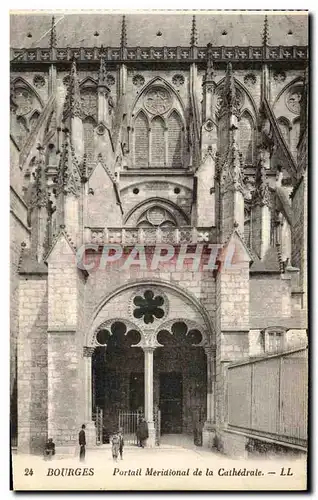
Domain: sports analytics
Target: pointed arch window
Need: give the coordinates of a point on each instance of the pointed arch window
(174, 140)
(158, 130)
(89, 125)
(89, 102)
(158, 146)
(246, 138)
(141, 144)
(284, 126)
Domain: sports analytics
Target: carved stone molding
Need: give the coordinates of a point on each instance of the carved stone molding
(88, 351)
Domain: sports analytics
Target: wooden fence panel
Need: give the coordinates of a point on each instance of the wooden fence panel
(294, 394)
(269, 396)
(266, 396)
(239, 396)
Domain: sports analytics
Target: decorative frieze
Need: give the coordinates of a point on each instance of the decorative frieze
(149, 236)
(223, 54)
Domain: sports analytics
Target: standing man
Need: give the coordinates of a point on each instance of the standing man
(82, 443)
(142, 432)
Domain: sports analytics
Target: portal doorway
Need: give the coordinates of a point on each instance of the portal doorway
(117, 376)
(171, 402)
(180, 379)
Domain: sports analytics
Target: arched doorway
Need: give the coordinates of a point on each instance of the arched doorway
(117, 375)
(150, 359)
(180, 378)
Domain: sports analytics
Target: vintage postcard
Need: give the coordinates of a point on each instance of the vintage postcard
(159, 250)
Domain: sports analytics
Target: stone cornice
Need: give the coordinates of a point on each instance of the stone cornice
(172, 54)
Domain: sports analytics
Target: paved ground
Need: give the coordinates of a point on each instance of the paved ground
(166, 468)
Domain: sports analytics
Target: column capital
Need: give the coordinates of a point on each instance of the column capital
(148, 348)
(210, 350)
(148, 340)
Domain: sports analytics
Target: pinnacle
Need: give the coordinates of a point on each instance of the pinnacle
(53, 39)
(73, 103)
(261, 193)
(265, 35)
(194, 33)
(209, 73)
(229, 88)
(102, 72)
(123, 37)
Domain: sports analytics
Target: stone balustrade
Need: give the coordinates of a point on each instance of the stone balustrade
(168, 54)
(149, 236)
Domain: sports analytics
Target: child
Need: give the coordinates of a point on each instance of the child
(115, 446)
(121, 443)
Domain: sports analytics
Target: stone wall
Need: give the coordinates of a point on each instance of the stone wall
(63, 387)
(32, 365)
(102, 282)
(270, 296)
(19, 233)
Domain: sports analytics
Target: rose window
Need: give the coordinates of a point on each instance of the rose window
(158, 100)
(148, 307)
(178, 80)
(23, 100)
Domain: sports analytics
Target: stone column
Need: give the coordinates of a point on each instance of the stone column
(209, 425)
(148, 352)
(90, 425)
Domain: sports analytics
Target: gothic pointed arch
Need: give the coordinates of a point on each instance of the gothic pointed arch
(156, 209)
(158, 143)
(21, 83)
(161, 82)
(296, 81)
(194, 312)
(29, 105)
(141, 140)
(88, 82)
(175, 139)
(246, 136)
(89, 125)
(244, 96)
(51, 154)
(165, 114)
(89, 100)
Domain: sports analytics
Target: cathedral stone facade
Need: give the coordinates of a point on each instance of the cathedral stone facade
(134, 152)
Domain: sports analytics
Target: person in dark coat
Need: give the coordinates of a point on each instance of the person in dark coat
(121, 443)
(115, 446)
(142, 432)
(82, 443)
(49, 450)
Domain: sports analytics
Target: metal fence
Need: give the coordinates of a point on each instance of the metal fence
(128, 421)
(269, 396)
